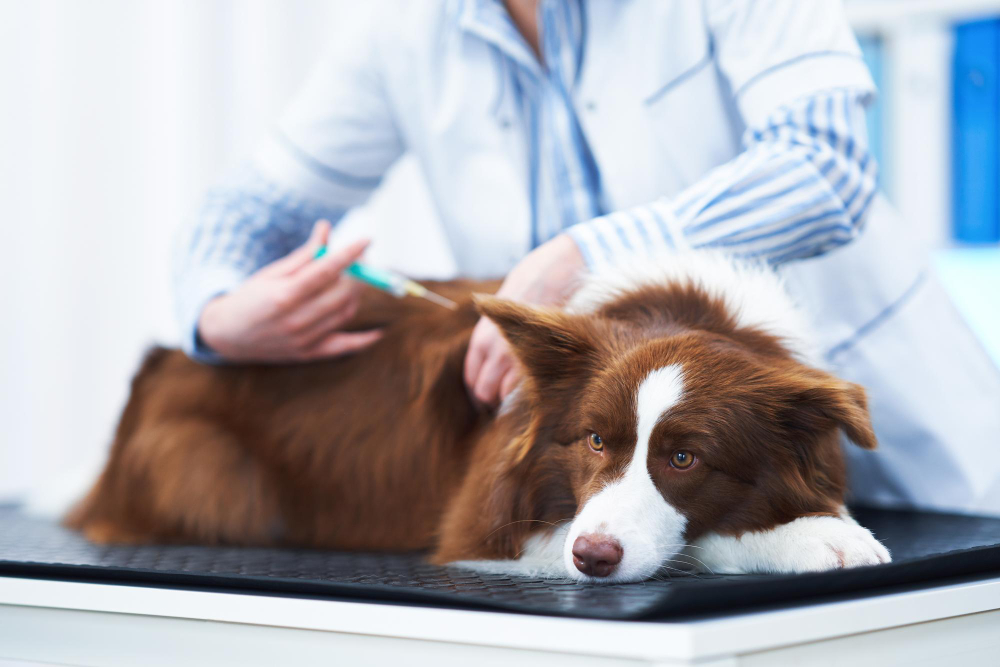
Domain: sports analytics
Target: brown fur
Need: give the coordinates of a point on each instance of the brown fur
(384, 450)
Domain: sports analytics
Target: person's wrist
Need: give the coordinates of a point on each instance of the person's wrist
(208, 323)
(547, 275)
(566, 268)
(570, 251)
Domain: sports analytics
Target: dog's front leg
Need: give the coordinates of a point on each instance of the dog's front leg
(542, 556)
(807, 544)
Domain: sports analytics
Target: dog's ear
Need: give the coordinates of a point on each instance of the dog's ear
(820, 399)
(550, 343)
(559, 352)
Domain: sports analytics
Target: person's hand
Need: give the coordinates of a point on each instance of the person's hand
(290, 310)
(546, 276)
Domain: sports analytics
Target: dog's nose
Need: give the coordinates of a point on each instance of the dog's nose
(596, 555)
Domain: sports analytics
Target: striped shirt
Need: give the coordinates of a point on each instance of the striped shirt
(801, 186)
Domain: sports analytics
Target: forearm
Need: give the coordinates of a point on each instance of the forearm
(801, 187)
(243, 225)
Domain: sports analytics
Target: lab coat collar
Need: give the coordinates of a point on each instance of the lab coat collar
(489, 20)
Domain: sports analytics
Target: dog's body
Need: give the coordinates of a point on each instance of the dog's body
(668, 412)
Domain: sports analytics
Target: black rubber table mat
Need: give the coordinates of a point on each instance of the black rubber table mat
(925, 547)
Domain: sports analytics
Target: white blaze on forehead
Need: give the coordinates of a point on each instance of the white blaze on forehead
(660, 391)
(631, 509)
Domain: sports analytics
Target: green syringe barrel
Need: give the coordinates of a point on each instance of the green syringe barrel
(378, 278)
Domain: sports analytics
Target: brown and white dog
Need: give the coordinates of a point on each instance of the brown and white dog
(666, 412)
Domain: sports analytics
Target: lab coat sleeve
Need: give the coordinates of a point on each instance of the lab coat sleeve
(805, 179)
(326, 155)
(339, 135)
(773, 52)
(803, 186)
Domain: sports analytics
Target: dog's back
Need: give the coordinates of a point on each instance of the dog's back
(357, 452)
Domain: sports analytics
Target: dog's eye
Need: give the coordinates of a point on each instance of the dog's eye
(682, 460)
(596, 443)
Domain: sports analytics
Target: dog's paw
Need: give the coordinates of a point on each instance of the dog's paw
(816, 544)
(515, 568)
(807, 544)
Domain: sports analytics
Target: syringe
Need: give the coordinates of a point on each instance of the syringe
(391, 282)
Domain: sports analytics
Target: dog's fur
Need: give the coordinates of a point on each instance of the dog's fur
(383, 450)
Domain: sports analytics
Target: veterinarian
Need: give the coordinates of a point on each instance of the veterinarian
(561, 137)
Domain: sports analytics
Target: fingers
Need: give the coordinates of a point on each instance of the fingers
(510, 381)
(488, 363)
(332, 316)
(342, 342)
(325, 309)
(476, 354)
(304, 254)
(487, 389)
(321, 273)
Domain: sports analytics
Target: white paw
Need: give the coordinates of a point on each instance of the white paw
(515, 568)
(827, 543)
(807, 544)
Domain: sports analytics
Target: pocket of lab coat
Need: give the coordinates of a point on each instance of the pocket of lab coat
(934, 397)
(848, 289)
(883, 321)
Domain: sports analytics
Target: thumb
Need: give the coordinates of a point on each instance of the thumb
(304, 254)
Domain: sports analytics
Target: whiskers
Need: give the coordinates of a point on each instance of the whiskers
(511, 523)
(686, 559)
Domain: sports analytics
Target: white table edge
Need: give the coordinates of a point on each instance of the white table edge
(671, 640)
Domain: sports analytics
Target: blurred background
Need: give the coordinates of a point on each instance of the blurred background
(118, 114)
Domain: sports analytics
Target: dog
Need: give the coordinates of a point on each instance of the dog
(669, 413)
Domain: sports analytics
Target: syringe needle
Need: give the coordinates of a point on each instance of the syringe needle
(440, 300)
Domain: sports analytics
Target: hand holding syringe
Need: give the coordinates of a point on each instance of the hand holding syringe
(292, 309)
(295, 308)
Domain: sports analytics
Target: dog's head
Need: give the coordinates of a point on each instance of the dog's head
(675, 431)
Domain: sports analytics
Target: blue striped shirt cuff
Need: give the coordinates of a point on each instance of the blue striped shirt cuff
(206, 284)
(652, 230)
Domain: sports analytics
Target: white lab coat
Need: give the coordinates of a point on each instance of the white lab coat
(883, 318)
(665, 91)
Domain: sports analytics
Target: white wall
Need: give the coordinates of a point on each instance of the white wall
(115, 115)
